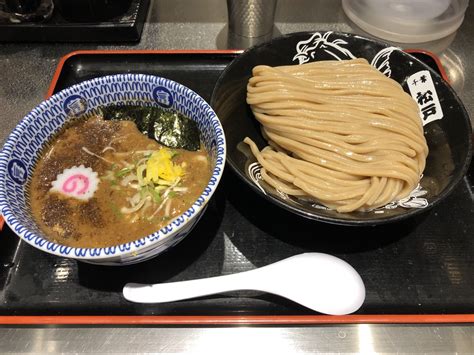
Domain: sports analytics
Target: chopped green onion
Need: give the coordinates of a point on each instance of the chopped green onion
(115, 210)
(140, 174)
(156, 196)
(164, 182)
(174, 153)
(154, 192)
(122, 172)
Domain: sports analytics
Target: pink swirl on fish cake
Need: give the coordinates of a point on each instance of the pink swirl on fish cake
(78, 182)
(72, 183)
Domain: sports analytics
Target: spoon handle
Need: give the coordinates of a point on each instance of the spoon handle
(181, 290)
(320, 282)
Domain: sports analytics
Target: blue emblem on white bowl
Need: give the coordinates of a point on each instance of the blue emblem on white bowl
(17, 171)
(163, 97)
(75, 105)
(42, 123)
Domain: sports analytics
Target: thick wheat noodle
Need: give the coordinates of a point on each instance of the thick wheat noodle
(312, 108)
(311, 103)
(306, 87)
(282, 186)
(343, 115)
(326, 89)
(327, 187)
(346, 154)
(339, 163)
(339, 132)
(330, 176)
(326, 144)
(359, 150)
(343, 127)
(273, 74)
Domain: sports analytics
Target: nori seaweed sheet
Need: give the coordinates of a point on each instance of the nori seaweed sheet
(169, 128)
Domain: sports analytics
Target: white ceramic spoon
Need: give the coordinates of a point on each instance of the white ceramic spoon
(321, 282)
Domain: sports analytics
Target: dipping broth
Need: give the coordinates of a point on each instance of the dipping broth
(101, 183)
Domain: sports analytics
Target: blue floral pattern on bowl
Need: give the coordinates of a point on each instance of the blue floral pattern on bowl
(24, 145)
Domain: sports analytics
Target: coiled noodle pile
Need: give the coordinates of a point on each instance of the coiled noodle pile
(339, 132)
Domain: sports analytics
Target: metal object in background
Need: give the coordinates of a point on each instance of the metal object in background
(72, 20)
(251, 18)
(16, 11)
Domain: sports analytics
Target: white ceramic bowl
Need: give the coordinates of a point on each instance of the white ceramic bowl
(25, 143)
